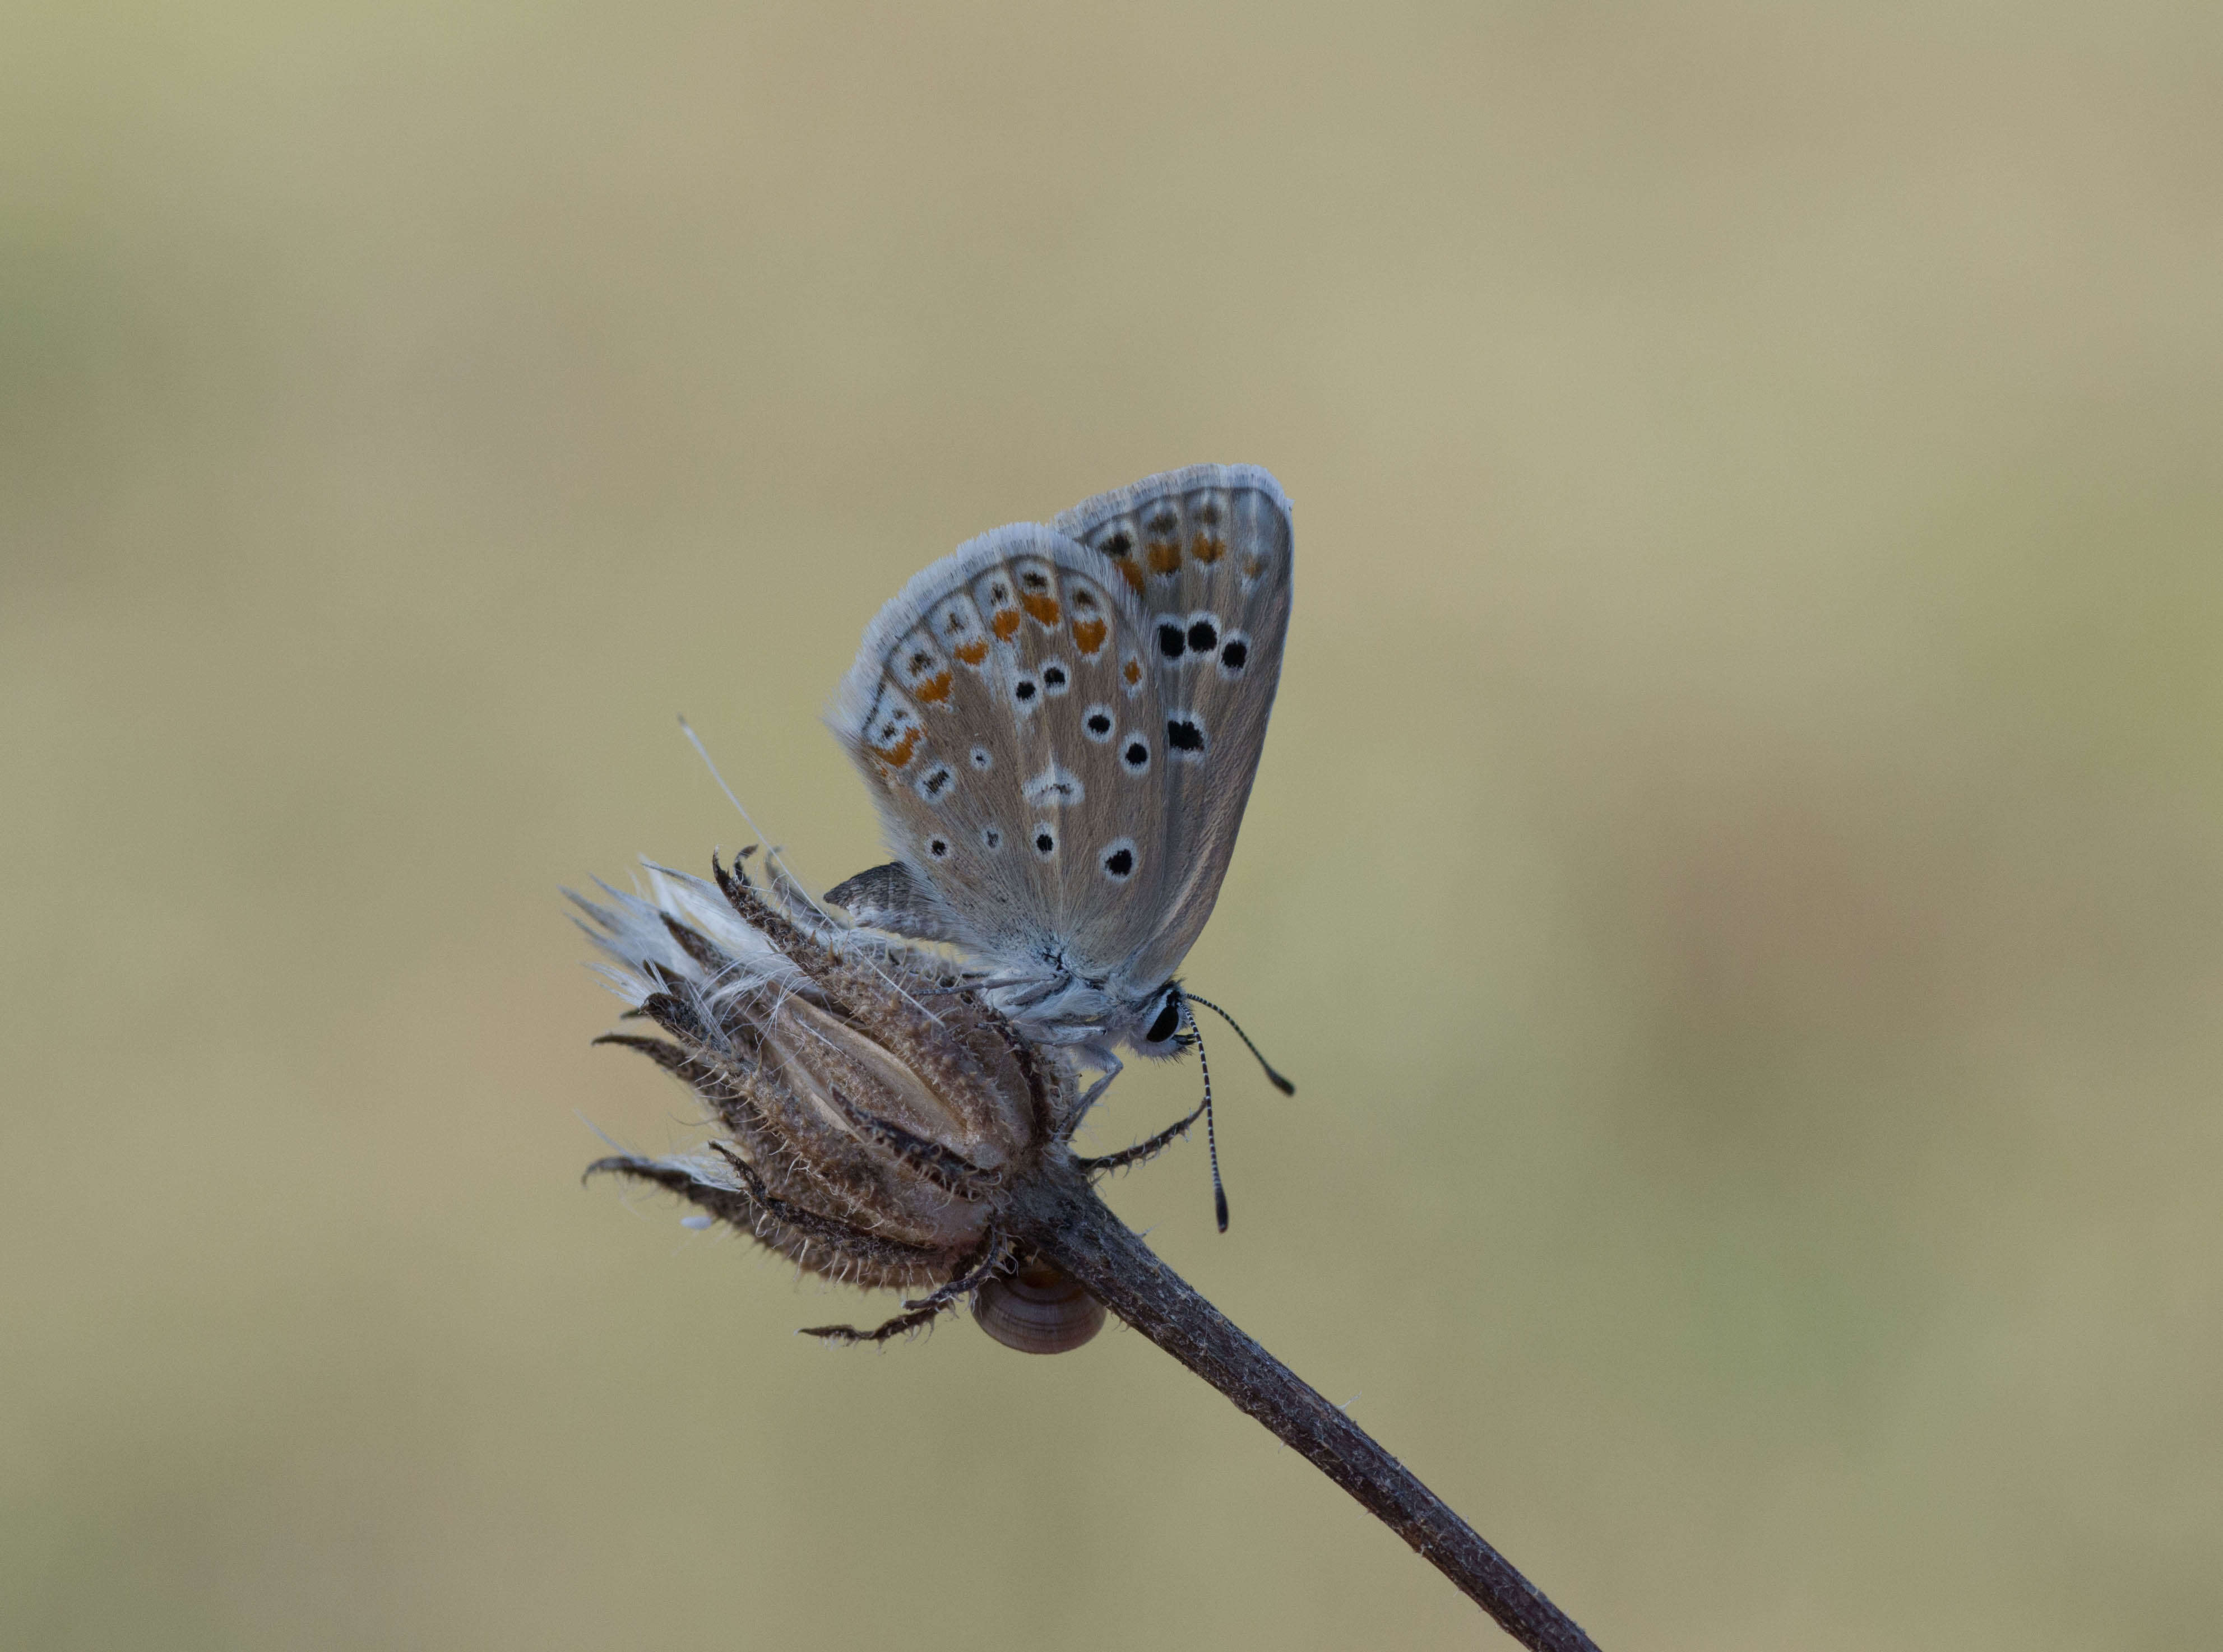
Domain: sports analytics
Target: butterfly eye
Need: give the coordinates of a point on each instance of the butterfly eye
(1168, 1018)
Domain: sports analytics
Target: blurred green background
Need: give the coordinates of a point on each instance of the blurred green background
(1737, 873)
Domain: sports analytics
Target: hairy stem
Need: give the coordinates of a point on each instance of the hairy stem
(1068, 1225)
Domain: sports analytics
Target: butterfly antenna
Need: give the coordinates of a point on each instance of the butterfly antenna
(1211, 1137)
(1272, 1077)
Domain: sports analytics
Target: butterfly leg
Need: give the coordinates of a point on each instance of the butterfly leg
(1143, 1150)
(1113, 1068)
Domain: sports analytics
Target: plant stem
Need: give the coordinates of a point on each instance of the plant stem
(1068, 1225)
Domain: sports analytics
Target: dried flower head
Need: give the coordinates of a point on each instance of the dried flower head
(876, 1114)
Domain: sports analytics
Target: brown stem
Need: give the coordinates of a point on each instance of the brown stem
(1069, 1224)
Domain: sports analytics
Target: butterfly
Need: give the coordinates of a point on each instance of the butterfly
(1059, 726)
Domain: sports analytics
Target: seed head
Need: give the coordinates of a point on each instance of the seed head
(874, 1114)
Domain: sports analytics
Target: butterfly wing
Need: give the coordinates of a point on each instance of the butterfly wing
(986, 710)
(1207, 553)
(1060, 725)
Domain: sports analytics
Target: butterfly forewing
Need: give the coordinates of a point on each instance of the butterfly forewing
(1061, 724)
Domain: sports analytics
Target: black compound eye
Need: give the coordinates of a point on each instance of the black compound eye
(1168, 1018)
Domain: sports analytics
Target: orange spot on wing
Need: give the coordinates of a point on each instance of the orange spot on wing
(933, 691)
(1089, 635)
(1005, 622)
(1205, 548)
(972, 652)
(1044, 609)
(1253, 566)
(1165, 558)
(1133, 673)
(899, 754)
(1131, 573)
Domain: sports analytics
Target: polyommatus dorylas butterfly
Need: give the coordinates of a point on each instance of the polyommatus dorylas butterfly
(1059, 726)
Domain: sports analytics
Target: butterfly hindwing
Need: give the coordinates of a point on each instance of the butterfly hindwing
(1207, 554)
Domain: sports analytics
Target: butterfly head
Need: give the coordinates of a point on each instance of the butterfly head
(1159, 1024)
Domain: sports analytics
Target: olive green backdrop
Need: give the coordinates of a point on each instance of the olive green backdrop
(1737, 873)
